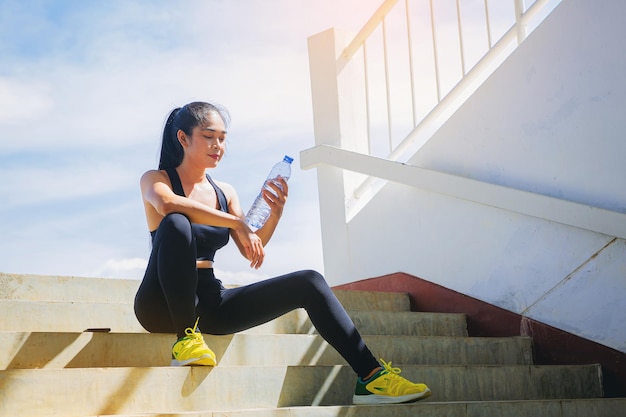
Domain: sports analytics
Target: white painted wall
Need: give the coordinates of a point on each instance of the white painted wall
(550, 120)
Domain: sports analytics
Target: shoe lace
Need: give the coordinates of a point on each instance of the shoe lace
(387, 368)
(395, 383)
(193, 334)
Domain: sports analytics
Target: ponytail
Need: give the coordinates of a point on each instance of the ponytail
(171, 149)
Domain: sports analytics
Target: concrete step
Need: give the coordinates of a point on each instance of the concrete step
(50, 367)
(106, 391)
(50, 316)
(592, 407)
(66, 288)
(23, 350)
(27, 287)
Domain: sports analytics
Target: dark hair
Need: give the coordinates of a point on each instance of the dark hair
(185, 118)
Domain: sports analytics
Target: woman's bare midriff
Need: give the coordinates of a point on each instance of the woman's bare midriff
(204, 264)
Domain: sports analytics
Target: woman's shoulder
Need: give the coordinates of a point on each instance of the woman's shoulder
(153, 177)
(226, 187)
(231, 197)
(154, 174)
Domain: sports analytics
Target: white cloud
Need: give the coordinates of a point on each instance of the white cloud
(112, 73)
(132, 268)
(117, 107)
(33, 185)
(22, 101)
(239, 278)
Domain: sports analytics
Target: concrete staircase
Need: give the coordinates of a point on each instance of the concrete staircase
(52, 365)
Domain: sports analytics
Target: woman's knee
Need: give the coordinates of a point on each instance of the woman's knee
(175, 224)
(313, 279)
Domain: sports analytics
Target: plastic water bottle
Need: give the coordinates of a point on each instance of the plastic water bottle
(260, 211)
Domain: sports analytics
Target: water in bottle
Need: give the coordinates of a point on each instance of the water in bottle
(260, 211)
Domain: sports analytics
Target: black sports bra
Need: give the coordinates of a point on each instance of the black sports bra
(208, 238)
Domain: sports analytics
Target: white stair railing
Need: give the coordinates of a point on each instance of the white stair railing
(408, 122)
(497, 44)
(347, 101)
(571, 213)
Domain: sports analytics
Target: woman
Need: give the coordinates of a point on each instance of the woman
(190, 216)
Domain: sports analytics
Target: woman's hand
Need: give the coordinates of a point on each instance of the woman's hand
(276, 200)
(276, 203)
(251, 244)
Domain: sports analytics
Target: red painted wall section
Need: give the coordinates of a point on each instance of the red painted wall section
(551, 346)
(482, 319)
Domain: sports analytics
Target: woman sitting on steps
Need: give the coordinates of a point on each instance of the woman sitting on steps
(190, 216)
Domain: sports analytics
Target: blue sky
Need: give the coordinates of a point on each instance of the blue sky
(85, 87)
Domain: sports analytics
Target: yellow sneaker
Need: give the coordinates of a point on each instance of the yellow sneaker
(191, 350)
(387, 387)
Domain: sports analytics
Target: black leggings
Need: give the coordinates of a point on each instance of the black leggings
(174, 293)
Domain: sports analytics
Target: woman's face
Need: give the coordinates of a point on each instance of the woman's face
(208, 142)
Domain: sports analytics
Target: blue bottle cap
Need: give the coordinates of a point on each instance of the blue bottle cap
(288, 159)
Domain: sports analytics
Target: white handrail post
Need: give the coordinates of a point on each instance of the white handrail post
(488, 24)
(460, 29)
(435, 52)
(387, 88)
(411, 66)
(339, 119)
(521, 27)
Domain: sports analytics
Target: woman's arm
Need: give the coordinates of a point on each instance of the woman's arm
(158, 195)
(276, 204)
(156, 191)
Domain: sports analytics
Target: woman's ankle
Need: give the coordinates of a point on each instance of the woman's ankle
(371, 374)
